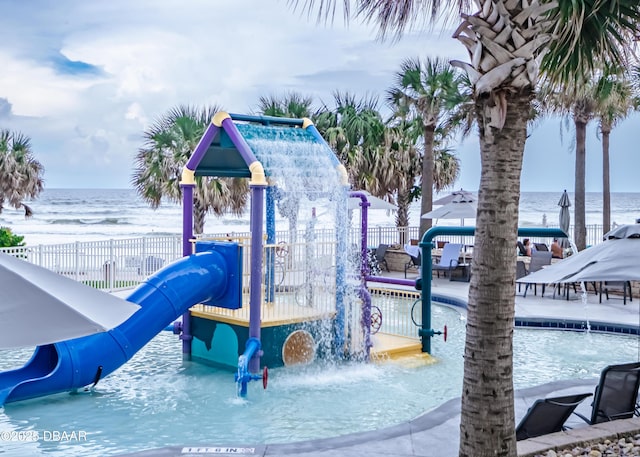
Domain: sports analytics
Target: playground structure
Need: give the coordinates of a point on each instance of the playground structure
(303, 297)
(306, 298)
(211, 286)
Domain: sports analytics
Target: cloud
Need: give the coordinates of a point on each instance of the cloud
(5, 108)
(84, 79)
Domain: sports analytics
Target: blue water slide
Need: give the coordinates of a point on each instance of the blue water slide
(210, 277)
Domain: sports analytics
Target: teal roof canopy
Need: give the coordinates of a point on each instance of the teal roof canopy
(223, 159)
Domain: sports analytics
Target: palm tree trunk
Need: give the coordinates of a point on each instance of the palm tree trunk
(427, 178)
(487, 426)
(606, 183)
(199, 213)
(402, 215)
(580, 233)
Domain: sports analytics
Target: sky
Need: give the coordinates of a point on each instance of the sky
(83, 79)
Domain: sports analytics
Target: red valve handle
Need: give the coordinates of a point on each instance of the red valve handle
(265, 377)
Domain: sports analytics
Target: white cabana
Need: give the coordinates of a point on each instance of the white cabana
(611, 260)
(38, 306)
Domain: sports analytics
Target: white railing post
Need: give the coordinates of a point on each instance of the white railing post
(77, 266)
(111, 268)
(143, 266)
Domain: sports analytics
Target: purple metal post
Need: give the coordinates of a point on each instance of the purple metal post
(364, 266)
(365, 320)
(238, 140)
(187, 235)
(255, 281)
(187, 218)
(364, 272)
(187, 186)
(202, 146)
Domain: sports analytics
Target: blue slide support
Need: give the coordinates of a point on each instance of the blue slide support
(212, 277)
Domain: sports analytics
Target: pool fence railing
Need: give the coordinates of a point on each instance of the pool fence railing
(118, 264)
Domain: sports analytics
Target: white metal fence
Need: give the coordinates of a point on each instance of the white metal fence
(109, 264)
(123, 263)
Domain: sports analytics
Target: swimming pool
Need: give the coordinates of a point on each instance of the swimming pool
(158, 400)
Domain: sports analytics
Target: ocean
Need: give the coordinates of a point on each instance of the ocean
(69, 215)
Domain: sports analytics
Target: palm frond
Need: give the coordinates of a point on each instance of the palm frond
(587, 33)
(395, 17)
(21, 175)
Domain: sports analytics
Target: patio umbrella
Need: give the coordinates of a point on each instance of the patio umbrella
(375, 202)
(564, 217)
(467, 195)
(38, 306)
(611, 260)
(461, 207)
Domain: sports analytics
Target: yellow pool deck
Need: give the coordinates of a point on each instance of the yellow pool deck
(385, 346)
(271, 316)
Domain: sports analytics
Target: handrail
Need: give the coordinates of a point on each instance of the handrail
(426, 332)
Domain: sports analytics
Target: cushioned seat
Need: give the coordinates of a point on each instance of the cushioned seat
(415, 262)
(548, 415)
(381, 251)
(449, 259)
(539, 259)
(615, 398)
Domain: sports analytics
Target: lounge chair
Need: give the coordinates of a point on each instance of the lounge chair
(548, 415)
(539, 259)
(415, 262)
(541, 247)
(381, 251)
(521, 271)
(521, 249)
(564, 288)
(449, 259)
(616, 394)
(624, 286)
(615, 398)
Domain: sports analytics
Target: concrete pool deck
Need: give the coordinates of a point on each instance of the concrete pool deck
(436, 432)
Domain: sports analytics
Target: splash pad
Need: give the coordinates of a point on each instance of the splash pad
(242, 301)
(302, 296)
(267, 299)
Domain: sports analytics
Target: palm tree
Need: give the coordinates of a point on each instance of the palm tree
(20, 174)
(582, 112)
(398, 165)
(427, 90)
(169, 143)
(506, 41)
(402, 160)
(355, 131)
(576, 103)
(292, 105)
(615, 100)
(381, 158)
(446, 168)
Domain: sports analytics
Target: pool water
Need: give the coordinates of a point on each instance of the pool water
(158, 400)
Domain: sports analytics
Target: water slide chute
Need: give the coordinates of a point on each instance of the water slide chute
(212, 276)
